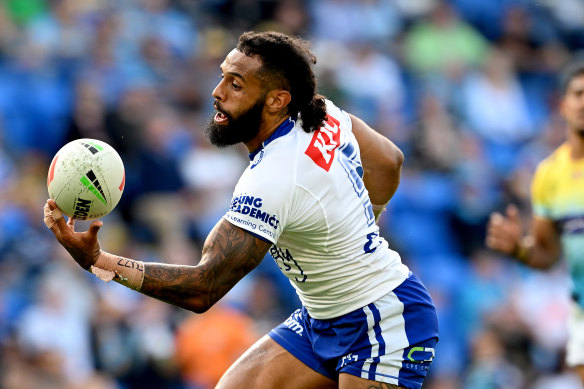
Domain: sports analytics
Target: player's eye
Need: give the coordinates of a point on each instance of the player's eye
(235, 86)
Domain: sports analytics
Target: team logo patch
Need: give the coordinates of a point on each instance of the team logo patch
(258, 159)
(324, 143)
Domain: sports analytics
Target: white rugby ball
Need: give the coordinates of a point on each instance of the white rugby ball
(86, 179)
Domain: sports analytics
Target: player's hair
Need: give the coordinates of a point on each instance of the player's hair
(287, 63)
(574, 70)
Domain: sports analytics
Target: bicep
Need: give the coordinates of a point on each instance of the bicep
(231, 252)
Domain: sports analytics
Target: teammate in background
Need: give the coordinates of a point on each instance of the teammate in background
(558, 213)
(318, 177)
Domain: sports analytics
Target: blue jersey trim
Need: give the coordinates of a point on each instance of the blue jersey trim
(283, 129)
(257, 236)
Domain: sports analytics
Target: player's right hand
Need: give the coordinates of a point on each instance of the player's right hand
(83, 246)
(504, 233)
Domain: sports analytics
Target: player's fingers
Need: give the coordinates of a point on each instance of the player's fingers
(492, 242)
(489, 241)
(496, 219)
(499, 242)
(513, 213)
(71, 224)
(94, 227)
(53, 217)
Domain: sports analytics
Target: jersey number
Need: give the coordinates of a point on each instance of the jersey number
(286, 262)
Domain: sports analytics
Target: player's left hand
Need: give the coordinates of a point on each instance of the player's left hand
(83, 246)
(504, 232)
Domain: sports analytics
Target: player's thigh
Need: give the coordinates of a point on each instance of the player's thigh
(267, 365)
(348, 381)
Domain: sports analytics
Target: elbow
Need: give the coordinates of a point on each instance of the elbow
(198, 305)
(394, 158)
(398, 159)
(199, 308)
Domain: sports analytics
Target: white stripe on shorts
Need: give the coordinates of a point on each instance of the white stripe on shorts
(394, 337)
(372, 340)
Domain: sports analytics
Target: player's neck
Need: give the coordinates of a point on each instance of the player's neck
(576, 142)
(267, 128)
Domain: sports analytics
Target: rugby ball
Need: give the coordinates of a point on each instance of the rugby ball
(86, 179)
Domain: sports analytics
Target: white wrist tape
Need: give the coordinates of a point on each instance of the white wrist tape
(51, 217)
(128, 271)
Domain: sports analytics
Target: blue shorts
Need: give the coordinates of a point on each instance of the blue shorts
(391, 340)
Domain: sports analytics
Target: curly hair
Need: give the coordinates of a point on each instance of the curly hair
(287, 63)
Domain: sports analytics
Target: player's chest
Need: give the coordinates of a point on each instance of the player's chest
(566, 191)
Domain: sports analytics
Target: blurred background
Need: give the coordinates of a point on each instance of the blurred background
(467, 88)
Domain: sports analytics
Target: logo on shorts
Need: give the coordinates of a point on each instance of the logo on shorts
(349, 358)
(421, 354)
(293, 323)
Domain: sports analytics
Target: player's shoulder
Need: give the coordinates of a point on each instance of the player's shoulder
(338, 114)
(290, 145)
(556, 160)
(274, 163)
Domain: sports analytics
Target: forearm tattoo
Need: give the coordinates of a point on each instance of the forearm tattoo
(383, 385)
(228, 255)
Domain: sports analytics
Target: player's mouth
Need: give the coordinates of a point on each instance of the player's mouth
(220, 118)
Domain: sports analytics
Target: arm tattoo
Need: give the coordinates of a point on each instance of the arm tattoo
(228, 255)
(383, 385)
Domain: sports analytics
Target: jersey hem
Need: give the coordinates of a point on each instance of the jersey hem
(327, 314)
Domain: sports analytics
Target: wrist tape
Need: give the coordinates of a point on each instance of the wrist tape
(523, 249)
(128, 271)
(51, 217)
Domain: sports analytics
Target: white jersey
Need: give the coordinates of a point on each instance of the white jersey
(304, 193)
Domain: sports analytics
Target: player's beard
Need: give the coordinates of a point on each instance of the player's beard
(242, 129)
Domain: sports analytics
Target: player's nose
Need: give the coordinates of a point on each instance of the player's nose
(218, 92)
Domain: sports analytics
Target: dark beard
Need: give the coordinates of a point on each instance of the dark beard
(242, 129)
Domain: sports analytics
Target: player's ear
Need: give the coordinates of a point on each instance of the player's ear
(277, 99)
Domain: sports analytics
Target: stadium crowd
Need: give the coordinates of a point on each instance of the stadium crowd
(466, 88)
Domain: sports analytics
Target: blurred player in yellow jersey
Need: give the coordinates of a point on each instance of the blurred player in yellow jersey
(558, 213)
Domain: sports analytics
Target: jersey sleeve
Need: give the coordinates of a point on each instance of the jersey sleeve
(539, 195)
(261, 201)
